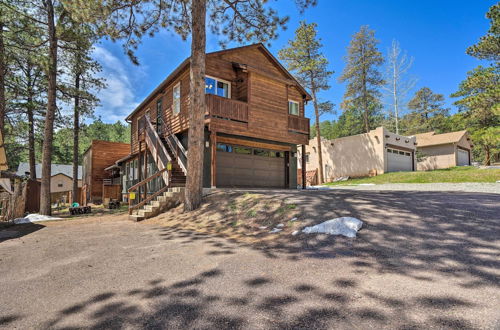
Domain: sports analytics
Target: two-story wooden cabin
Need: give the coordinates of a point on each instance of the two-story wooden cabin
(254, 122)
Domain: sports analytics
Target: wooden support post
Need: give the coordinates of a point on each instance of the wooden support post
(145, 172)
(213, 165)
(303, 159)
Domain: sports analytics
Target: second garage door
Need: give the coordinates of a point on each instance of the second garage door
(399, 160)
(239, 166)
(463, 157)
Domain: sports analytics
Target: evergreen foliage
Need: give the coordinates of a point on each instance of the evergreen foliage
(363, 76)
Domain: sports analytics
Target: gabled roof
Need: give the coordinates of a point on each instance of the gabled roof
(431, 138)
(185, 64)
(67, 170)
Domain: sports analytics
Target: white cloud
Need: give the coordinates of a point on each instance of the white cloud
(118, 99)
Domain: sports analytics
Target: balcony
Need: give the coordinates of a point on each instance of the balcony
(298, 124)
(224, 108)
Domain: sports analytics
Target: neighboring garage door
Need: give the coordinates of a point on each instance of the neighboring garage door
(463, 157)
(399, 160)
(239, 166)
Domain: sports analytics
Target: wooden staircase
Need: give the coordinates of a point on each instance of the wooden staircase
(167, 200)
(171, 160)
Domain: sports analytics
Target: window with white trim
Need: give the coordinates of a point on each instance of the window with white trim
(217, 87)
(293, 107)
(176, 108)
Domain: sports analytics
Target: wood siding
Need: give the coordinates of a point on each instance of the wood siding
(103, 154)
(261, 83)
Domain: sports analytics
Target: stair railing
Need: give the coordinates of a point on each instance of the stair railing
(174, 144)
(139, 185)
(158, 150)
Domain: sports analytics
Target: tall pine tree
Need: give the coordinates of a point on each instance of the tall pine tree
(427, 112)
(363, 76)
(304, 58)
(479, 93)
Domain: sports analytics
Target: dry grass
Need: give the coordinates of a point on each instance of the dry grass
(237, 215)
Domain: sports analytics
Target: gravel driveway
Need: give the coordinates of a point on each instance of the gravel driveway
(493, 188)
(423, 260)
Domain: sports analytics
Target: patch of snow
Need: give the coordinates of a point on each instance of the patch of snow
(263, 227)
(342, 178)
(319, 187)
(275, 230)
(346, 226)
(280, 225)
(34, 218)
(294, 219)
(295, 233)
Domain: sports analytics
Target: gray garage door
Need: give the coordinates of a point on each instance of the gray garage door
(239, 166)
(399, 160)
(463, 157)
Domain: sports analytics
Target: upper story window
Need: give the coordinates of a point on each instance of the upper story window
(293, 107)
(218, 87)
(177, 99)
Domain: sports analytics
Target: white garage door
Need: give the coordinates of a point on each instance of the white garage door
(399, 160)
(463, 157)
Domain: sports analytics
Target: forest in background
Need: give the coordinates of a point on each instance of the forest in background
(17, 151)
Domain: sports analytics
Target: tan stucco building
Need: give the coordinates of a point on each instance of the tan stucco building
(444, 150)
(61, 182)
(373, 153)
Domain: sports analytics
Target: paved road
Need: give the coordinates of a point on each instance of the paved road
(423, 260)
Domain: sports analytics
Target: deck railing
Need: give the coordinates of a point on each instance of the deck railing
(298, 124)
(224, 108)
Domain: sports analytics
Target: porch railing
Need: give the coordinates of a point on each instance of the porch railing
(221, 107)
(298, 124)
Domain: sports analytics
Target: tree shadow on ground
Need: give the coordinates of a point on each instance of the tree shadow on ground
(253, 303)
(409, 233)
(18, 231)
(419, 236)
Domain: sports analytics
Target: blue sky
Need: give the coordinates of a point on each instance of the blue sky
(436, 33)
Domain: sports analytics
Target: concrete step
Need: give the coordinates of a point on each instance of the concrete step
(156, 203)
(135, 217)
(145, 213)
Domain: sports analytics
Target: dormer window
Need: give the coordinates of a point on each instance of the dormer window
(293, 107)
(217, 87)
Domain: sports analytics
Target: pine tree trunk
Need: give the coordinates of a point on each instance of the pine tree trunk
(487, 156)
(51, 109)
(31, 137)
(2, 76)
(365, 104)
(194, 180)
(364, 74)
(318, 139)
(76, 132)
